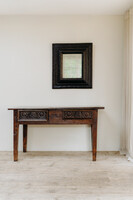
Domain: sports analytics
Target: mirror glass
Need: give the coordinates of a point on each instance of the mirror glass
(72, 66)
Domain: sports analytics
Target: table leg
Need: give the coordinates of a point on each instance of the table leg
(25, 138)
(15, 135)
(94, 137)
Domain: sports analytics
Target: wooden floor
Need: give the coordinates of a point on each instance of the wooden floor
(65, 176)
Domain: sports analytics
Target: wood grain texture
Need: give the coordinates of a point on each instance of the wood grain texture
(55, 108)
(58, 116)
(15, 135)
(65, 176)
(94, 135)
(25, 138)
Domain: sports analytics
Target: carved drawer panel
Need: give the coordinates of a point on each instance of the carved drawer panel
(68, 114)
(30, 115)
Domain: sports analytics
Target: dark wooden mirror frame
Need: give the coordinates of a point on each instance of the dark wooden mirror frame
(72, 48)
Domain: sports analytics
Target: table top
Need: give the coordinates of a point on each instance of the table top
(55, 108)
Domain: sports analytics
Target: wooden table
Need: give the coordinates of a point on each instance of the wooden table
(76, 115)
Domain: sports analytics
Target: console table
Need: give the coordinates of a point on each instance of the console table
(76, 115)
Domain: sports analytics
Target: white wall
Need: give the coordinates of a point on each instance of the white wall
(26, 78)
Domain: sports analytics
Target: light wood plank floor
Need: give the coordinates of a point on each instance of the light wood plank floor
(65, 176)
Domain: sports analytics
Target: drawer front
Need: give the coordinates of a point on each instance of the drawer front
(69, 114)
(31, 115)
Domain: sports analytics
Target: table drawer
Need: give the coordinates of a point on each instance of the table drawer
(31, 115)
(75, 114)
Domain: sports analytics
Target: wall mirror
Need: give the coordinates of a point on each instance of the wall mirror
(72, 65)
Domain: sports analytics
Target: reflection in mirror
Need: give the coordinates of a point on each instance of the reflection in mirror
(72, 66)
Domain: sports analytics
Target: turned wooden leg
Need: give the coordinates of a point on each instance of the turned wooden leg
(25, 138)
(15, 135)
(94, 137)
